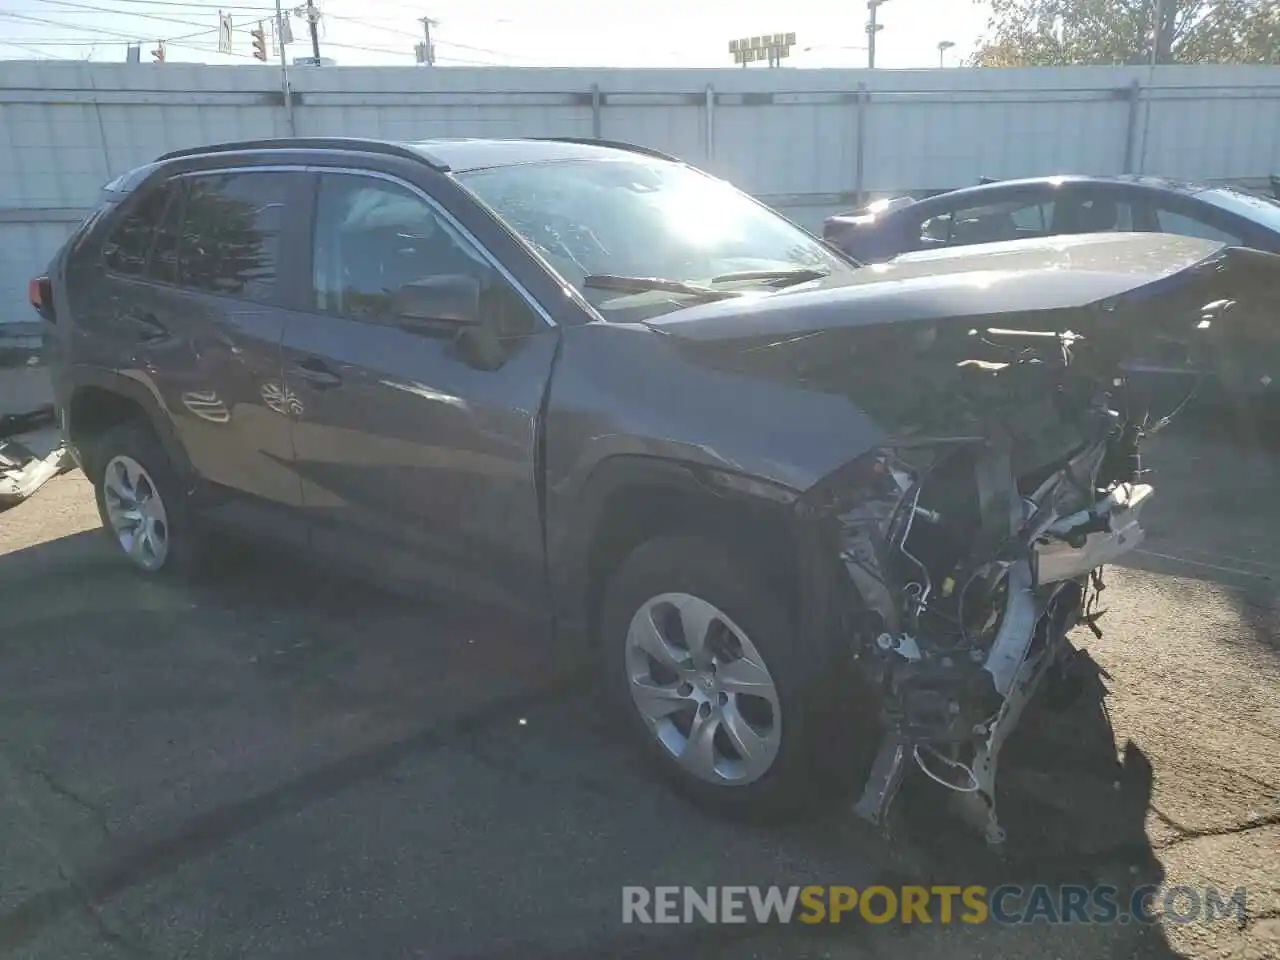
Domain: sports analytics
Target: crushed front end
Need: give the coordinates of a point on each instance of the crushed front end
(972, 552)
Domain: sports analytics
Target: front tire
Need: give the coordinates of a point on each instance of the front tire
(703, 663)
(142, 502)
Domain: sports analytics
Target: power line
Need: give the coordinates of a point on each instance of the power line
(30, 49)
(181, 4)
(141, 16)
(107, 36)
(110, 35)
(349, 46)
(373, 26)
(414, 36)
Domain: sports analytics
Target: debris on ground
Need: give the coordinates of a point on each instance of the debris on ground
(31, 458)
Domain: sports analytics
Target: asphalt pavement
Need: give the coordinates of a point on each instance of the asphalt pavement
(281, 763)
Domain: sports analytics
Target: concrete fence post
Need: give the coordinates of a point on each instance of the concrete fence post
(860, 105)
(1131, 124)
(709, 125)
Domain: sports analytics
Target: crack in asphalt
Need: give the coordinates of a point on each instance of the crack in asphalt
(1250, 919)
(208, 832)
(131, 945)
(58, 787)
(1189, 833)
(1264, 784)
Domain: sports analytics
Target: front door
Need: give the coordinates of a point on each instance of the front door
(418, 454)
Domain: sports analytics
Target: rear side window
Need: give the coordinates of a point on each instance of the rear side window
(128, 244)
(231, 229)
(1170, 221)
(168, 236)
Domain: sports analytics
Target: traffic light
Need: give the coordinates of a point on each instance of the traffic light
(259, 43)
(157, 54)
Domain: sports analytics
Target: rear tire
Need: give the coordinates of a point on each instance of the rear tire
(143, 504)
(749, 682)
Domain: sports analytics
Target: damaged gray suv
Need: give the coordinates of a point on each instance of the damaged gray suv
(767, 486)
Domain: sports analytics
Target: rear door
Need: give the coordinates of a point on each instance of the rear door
(239, 228)
(209, 319)
(418, 460)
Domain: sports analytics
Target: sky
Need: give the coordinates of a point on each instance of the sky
(549, 33)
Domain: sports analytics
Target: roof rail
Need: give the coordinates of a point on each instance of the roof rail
(314, 143)
(613, 145)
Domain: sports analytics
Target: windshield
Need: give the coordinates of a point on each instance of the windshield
(1261, 210)
(642, 218)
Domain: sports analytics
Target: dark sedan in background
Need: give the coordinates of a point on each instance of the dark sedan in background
(996, 211)
(1049, 206)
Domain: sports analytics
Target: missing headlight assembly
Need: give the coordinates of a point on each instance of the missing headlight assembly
(973, 556)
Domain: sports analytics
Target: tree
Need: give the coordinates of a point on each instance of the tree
(1043, 33)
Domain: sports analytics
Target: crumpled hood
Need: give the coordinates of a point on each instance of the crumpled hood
(990, 280)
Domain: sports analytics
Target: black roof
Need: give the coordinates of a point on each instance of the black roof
(993, 188)
(470, 153)
(445, 153)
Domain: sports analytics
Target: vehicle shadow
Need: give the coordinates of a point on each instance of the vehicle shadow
(1074, 811)
(204, 711)
(1074, 807)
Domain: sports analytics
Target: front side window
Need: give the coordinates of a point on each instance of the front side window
(644, 218)
(125, 251)
(231, 233)
(1171, 221)
(373, 237)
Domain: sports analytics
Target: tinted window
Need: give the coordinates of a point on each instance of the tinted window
(1011, 220)
(168, 236)
(231, 233)
(1168, 221)
(1094, 213)
(372, 237)
(127, 245)
(1263, 211)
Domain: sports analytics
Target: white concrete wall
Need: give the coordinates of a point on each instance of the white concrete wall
(806, 141)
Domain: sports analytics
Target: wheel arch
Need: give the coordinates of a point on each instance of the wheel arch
(97, 400)
(629, 499)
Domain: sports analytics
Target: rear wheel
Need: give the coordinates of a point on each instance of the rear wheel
(704, 665)
(142, 503)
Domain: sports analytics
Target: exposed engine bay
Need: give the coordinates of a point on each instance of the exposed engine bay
(974, 551)
(991, 402)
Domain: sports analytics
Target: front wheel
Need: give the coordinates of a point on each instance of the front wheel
(703, 661)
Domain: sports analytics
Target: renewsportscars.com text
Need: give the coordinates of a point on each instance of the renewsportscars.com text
(1009, 904)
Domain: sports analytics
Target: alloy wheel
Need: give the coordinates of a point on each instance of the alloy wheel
(136, 512)
(703, 689)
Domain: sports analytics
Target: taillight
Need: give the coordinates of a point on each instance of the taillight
(40, 293)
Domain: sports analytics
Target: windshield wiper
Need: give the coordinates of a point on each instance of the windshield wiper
(781, 278)
(608, 281)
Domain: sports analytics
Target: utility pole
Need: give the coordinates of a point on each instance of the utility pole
(313, 20)
(281, 26)
(427, 52)
(872, 29)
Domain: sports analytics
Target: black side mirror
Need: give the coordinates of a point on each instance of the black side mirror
(452, 299)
